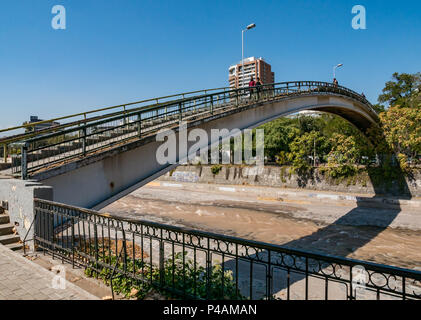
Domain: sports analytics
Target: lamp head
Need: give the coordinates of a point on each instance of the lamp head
(251, 26)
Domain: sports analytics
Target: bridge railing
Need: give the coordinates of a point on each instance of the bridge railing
(47, 149)
(15, 134)
(200, 265)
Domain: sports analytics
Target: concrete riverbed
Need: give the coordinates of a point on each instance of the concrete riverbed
(387, 234)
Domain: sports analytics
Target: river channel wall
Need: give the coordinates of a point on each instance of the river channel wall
(283, 177)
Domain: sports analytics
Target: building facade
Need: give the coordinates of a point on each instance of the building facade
(253, 67)
(40, 126)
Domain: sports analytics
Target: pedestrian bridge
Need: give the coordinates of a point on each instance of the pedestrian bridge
(112, 151)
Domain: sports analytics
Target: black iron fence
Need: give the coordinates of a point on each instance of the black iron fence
(82, 138)
(200, 265)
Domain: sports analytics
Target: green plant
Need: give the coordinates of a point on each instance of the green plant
(187, 278)
(215, 169)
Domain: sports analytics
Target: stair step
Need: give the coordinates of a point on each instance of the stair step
(4, 218)
(14, 246)
(6, 229)
(9, 239)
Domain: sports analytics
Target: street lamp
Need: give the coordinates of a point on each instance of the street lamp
(334, 69)
(250, 26)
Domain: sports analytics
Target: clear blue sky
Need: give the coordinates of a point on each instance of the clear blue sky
(117, 51)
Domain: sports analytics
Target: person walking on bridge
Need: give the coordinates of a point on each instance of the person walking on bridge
(335, 82)
(258, 88)
(252, 84)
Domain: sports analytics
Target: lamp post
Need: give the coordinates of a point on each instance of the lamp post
(250, 26)
(334, 69)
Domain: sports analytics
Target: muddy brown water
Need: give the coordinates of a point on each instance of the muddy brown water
(272, 223)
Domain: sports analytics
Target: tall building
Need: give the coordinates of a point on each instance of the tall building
(253, 67)
(42, 126)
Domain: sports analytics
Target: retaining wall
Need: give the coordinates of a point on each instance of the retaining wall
(275, 176)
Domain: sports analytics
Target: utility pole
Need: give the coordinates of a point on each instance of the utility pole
(314, 154)
(250, 26)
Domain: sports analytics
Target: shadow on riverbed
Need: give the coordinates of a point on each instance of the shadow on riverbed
(340, 243)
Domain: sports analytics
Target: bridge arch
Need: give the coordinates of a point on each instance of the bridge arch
(97, 179)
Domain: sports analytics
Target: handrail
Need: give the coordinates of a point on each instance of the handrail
(6, 140)
(103, 109)
(144, 109)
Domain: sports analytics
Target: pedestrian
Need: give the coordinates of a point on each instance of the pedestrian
(335, 82)
(252, 84)
(258, 87)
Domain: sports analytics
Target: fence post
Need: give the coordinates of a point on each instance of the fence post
(84, 141)
(180, 111)
(24, 161)
(269, 277)
(139, 124)
(161, 262)
(5, 152)
(73, 242)
(96, 247)
(211, 110)
(125, 119)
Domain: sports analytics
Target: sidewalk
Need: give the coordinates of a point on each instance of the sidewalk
(293, 195)
(21, 279)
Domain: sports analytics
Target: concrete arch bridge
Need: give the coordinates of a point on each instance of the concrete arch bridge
(94, 161)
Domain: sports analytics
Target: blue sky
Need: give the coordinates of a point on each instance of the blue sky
(114, 52)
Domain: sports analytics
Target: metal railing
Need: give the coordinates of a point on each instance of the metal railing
(45, 150)
(200, 265)
(86, 117)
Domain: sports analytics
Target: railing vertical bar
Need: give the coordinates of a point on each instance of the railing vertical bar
(134, 253)
(236, 271)
(73, 242)
(306, 284)
(251, 279)
(96, 246)
(288, 284)
(326, 288)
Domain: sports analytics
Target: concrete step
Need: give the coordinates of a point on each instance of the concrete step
(9, 239)
(14, 246)
(6, 229)
(4, 218)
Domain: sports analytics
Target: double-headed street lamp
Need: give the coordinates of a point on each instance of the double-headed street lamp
(250, 26)
(334, 70)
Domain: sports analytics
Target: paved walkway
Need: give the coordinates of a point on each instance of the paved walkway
(21, 279)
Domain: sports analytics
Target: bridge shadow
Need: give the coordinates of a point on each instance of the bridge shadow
(337, 239)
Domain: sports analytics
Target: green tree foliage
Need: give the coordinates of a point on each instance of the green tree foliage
(340, 146)
(304, 147)
(278, 136)
(404, 91)
(402, 130)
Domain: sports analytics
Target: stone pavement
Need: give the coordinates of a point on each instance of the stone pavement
(21, 279)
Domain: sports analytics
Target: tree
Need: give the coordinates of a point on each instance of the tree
(278, 136)
(304, 147)
(404, 90)
(402, 130)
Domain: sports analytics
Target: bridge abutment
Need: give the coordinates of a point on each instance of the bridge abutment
(19, 196)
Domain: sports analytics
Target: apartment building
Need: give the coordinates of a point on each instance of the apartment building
(253, 67)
